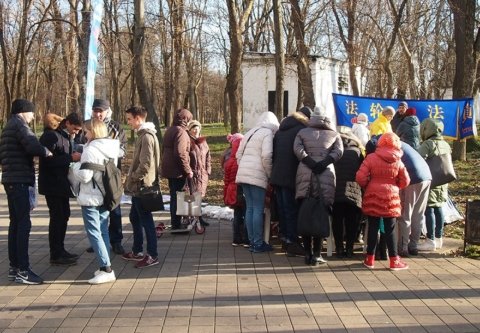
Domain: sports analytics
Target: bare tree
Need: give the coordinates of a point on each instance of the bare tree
(349, 40)
(303, 60)
(279, 57)
(464, 20)
(139, 63)
(237, 21)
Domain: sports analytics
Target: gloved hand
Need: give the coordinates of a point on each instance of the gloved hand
(322, 165)
(309, 162)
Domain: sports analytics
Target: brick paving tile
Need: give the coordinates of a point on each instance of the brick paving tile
(203, 284)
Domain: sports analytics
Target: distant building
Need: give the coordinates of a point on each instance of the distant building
(258, 69)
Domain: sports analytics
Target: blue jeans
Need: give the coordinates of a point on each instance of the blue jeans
(175, 184)
(434, 220)
(142, 220)
(287, 208)
(115, 226)
(255, 201)
(20, 225)
(95, 220)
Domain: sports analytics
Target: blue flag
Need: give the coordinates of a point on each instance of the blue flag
(456, 114)
(96, 20)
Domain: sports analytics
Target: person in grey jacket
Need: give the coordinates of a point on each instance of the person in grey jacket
(317, 147)
(18, 146)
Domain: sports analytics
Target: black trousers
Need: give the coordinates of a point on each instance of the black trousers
(346, 218)
(59, 210)
(390, 235)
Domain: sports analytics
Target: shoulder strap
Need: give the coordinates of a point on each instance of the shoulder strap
(92, 166)
(246, 143)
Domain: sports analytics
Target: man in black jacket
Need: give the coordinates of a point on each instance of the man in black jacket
(53, 181)
(284, 170)
(18, 146)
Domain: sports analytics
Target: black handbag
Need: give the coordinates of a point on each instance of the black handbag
(441, 168)
(313, 216)
(151, 198)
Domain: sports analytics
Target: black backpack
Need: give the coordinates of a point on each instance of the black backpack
(112, 182)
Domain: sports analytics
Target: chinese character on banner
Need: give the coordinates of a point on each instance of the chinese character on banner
(435, 111)
(352, 107)
(375, 110)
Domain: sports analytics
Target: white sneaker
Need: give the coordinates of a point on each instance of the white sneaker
(438, 243)
(102, 277)
(427, 245)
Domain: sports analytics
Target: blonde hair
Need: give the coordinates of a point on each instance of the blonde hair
(97, 128)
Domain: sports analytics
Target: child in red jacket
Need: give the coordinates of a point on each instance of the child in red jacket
(232, 192)
(382, 175)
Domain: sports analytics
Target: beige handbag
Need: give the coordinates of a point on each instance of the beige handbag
(189, 204)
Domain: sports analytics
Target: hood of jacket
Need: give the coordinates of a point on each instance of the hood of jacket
(389, 147)
(268, 120)
(321, 122)
(109, 147)
(181, 118)
(431, 128)
(235, 146)
(411, 120)
(350, 140)
(148, 126)
(293, 120)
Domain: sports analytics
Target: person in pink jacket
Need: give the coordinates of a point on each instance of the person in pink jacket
(382, 175)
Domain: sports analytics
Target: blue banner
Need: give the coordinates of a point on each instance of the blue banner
(96, 20)
(457, 114)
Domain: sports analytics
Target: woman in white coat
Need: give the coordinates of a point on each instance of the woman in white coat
(254, 158)
(98, 149)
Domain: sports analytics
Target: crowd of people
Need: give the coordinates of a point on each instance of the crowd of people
(73, 157)
(375, 172)
(371, 172)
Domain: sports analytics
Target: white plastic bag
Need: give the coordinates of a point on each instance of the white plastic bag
(450, 212)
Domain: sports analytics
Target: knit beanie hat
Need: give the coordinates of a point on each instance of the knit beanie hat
(411, 112)
(22, 105)
(194, 123)
(102, 104)
(306, 111)
(403, 103)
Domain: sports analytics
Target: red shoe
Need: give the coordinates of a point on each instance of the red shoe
(133, 256)
(396, 264)
(369, 261)
(147, 261)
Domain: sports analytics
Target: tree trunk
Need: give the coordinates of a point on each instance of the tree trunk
(279, 57)
(237, 23)
(83, 39)
(5, 61)
(303, 61)
(464, 25)
(349, 41)
(139, 64)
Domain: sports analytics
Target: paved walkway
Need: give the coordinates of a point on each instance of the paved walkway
(203, 284)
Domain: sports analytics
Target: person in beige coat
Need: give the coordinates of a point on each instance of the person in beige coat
(254, 157)
(142, 173)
